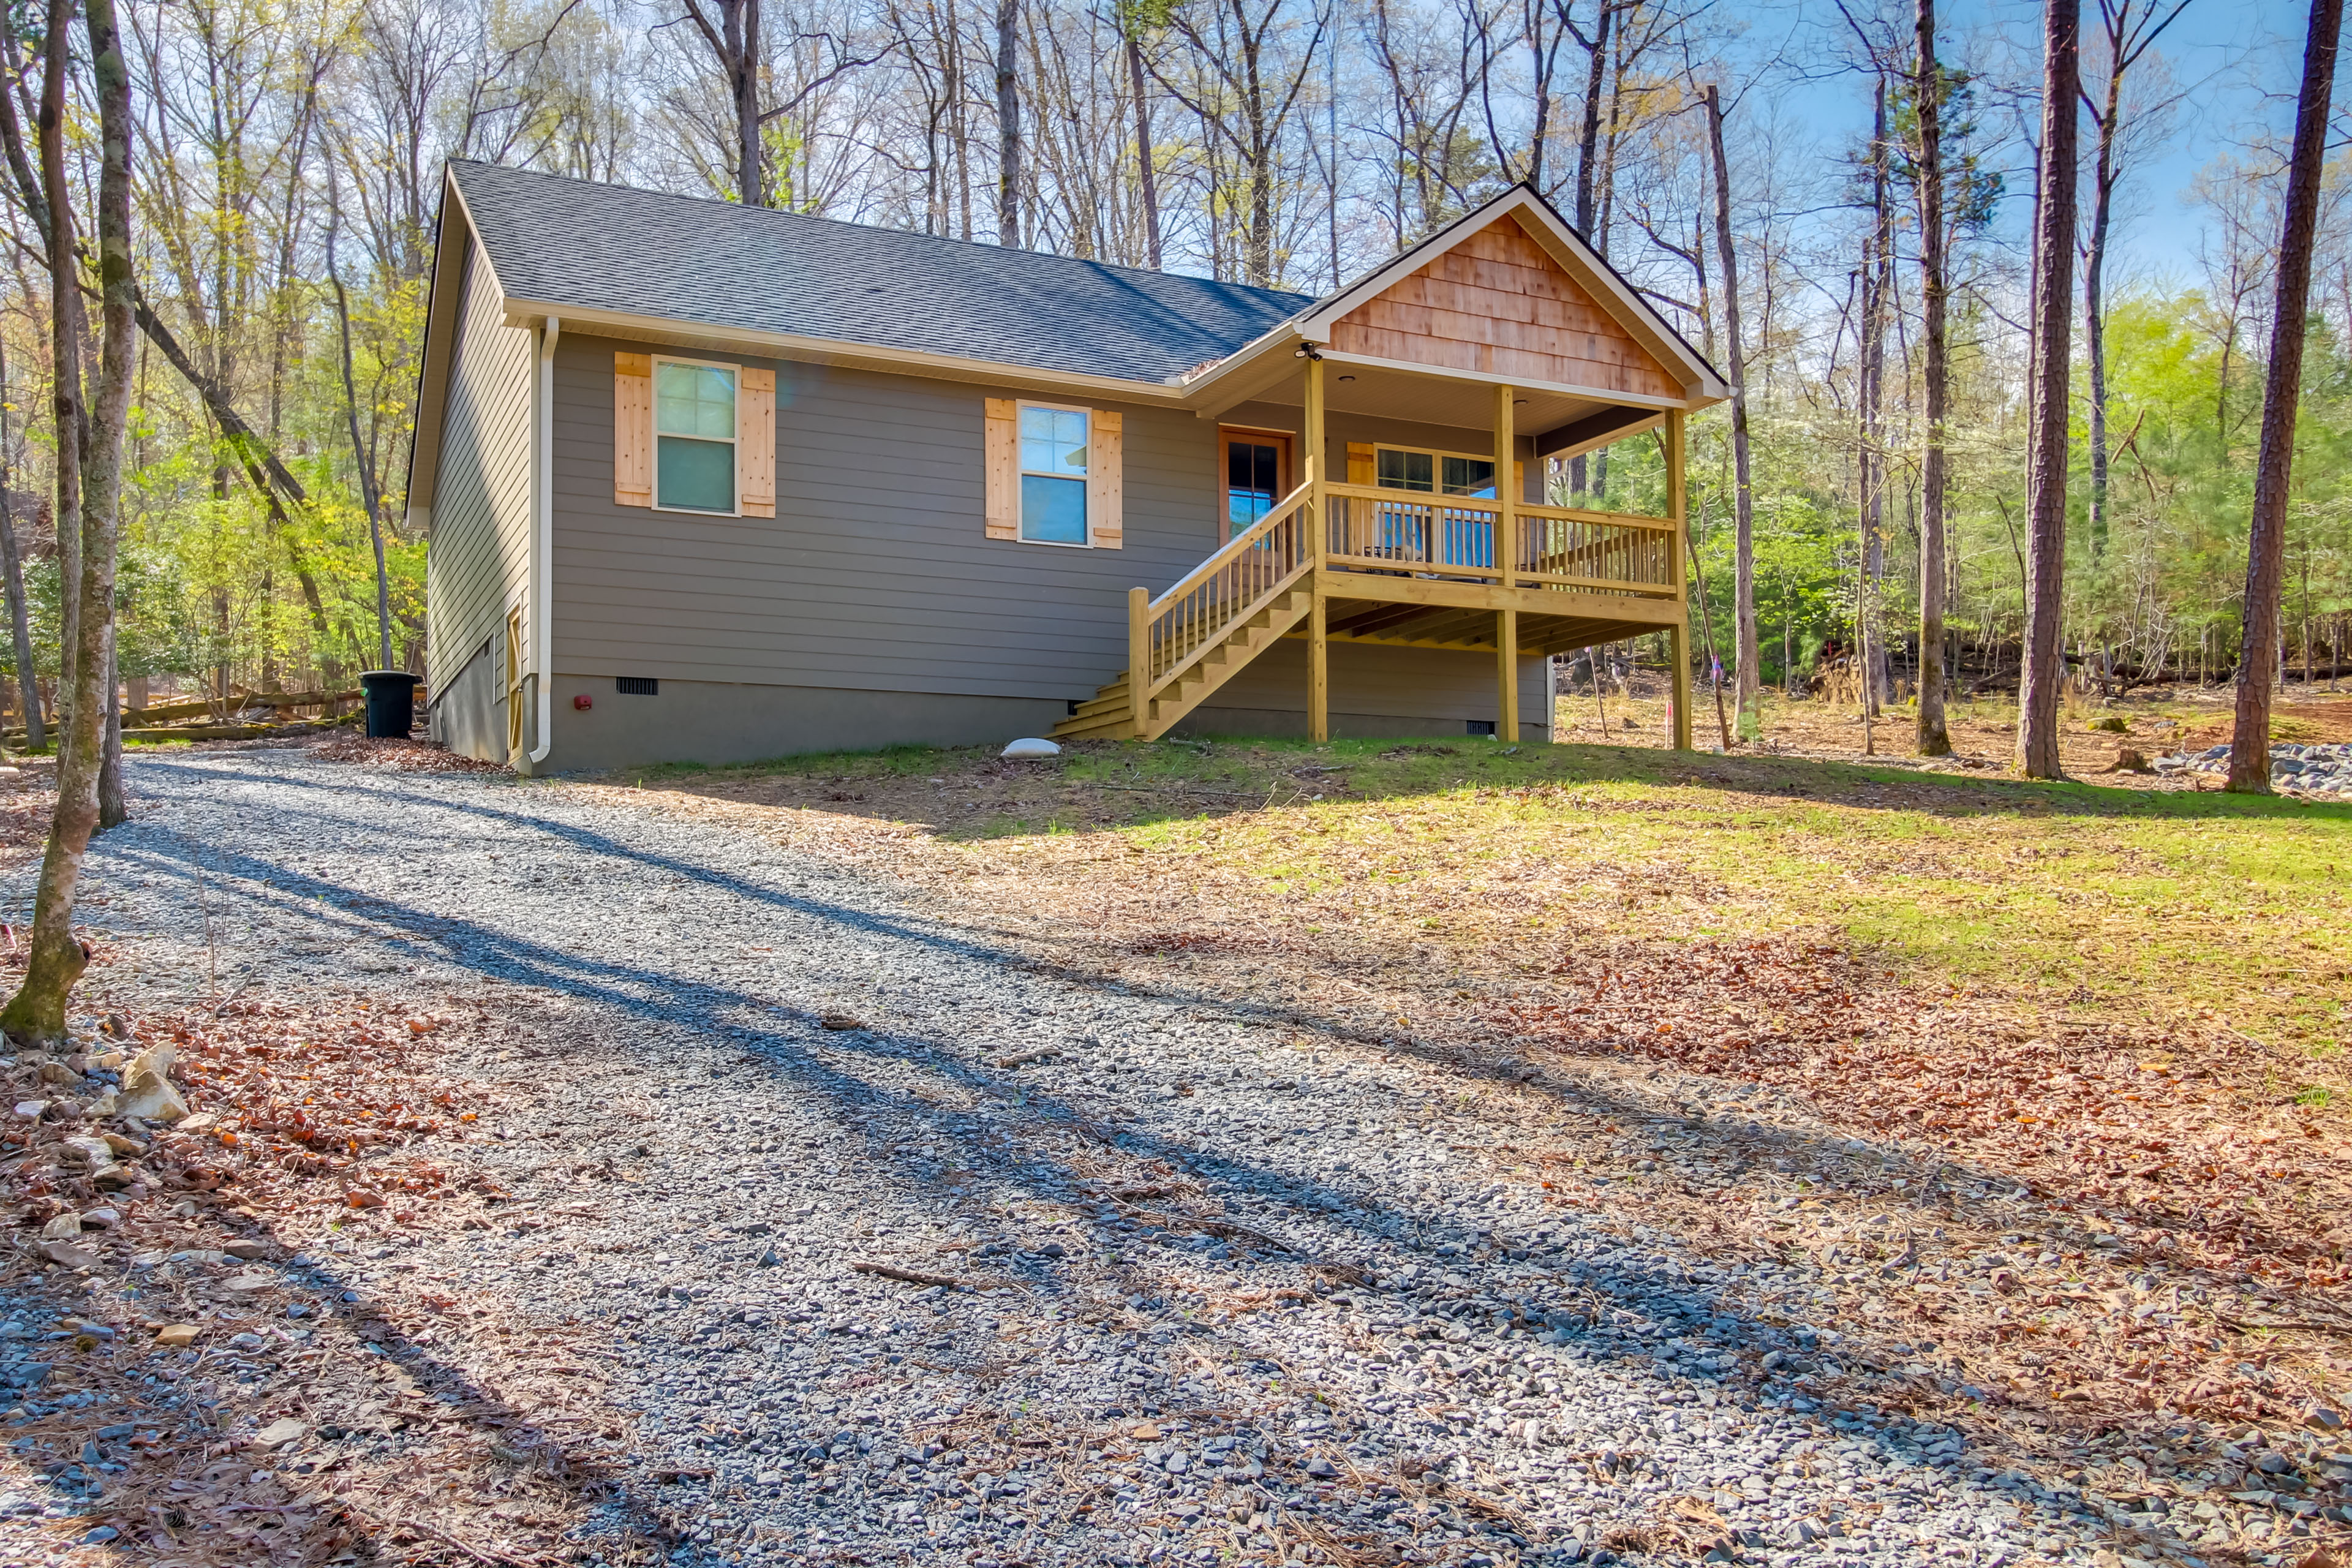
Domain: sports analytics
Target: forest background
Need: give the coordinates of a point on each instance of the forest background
(287, 173)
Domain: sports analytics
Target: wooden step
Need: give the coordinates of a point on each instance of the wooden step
(1238, 643)
(1110, 727)
(1103, 701)
(1107, 714)
(1225, 648)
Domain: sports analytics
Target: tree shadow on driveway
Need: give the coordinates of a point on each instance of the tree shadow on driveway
(1048, 1147)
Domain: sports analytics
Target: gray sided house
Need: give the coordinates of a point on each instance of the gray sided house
(712, 484)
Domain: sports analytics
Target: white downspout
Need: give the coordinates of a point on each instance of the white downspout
(542, 564)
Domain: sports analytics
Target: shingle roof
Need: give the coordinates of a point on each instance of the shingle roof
(559, 241)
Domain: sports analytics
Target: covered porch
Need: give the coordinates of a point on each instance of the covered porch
(1386, 458)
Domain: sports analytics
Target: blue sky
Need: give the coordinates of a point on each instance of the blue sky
(2241, 59)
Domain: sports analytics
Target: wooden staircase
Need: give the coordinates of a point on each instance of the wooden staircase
(1111, 715)
(1191, 639)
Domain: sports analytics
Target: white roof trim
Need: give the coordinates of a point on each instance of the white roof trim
(1496, 378)
(834, 350)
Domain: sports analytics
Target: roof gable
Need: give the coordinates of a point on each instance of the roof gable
(1498, 304)
(1511, 291)
(558, 243)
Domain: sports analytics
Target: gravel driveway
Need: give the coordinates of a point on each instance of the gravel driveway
(1221, 1285)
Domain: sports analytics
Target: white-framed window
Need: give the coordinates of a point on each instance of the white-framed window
(694, 435)
(1440, 473)
(1054, 444)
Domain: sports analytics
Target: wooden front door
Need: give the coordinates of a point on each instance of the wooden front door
(1257, 475)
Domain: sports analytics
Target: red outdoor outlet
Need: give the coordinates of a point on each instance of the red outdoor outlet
(584, 702)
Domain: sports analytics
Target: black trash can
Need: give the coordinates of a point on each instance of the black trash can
(391, 701)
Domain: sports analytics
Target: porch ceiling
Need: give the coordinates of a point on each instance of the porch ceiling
(1435, 400)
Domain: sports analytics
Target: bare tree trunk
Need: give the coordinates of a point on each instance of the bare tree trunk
(1587, 136)
(1008, 123)
(2043, 668)
(2094, 320)
(1934, 736)
(1146, 176)
(114, 810)
(360, 454)
(1878, 297)
(1588, 154)
(734, 41)
(20, 621)
(1750, 676)
(37, 1013)
(65, 342)
(743, 32)
(2250, 760)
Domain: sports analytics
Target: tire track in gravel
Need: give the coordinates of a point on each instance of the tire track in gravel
(1136, 1375)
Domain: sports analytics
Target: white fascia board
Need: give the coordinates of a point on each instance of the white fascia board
(579, 321)
(1487, 378)
(444, 298)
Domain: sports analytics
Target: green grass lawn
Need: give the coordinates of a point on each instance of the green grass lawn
(2229, 907)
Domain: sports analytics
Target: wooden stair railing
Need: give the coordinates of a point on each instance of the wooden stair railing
(1185, 644)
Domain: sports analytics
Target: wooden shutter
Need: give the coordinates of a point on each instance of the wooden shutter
(1519, 479)
(1001, 449)
(1363, 469)
(1107, 480)
(633, 429)
(755, 443)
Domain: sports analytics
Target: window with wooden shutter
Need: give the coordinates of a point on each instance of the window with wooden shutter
(1054, 474)
(755, 443)
(1001, 450)
(1107, 482)
(633, 429)
(696, 425)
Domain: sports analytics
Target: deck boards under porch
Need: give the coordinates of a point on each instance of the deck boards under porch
(1421, 611)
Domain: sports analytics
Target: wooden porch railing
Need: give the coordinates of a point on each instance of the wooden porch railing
(1377, 530)
(1170, 633)
(1372, 529)
(1605, 552)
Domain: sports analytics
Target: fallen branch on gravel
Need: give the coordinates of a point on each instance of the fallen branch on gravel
(910, 1276)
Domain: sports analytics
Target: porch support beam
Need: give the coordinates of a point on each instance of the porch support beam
(1507, 557)
(1318, 671)
(1678, 641)
(1358, 589)
(1319, 637)
(1507, 673)
(1507, 499)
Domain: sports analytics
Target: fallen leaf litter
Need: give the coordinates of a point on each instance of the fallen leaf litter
(1504, 1374)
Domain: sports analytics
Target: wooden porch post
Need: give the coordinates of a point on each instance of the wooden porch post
(1318, 647)
(1139, 656)
(1506, 561)
(1319, 672)
(1679, 635)
(1506, 493)
(1311, 458)
(1507, 674)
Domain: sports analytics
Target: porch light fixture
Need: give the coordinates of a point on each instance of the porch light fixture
(1346, 378)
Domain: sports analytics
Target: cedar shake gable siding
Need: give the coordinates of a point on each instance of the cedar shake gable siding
(1497, 304)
